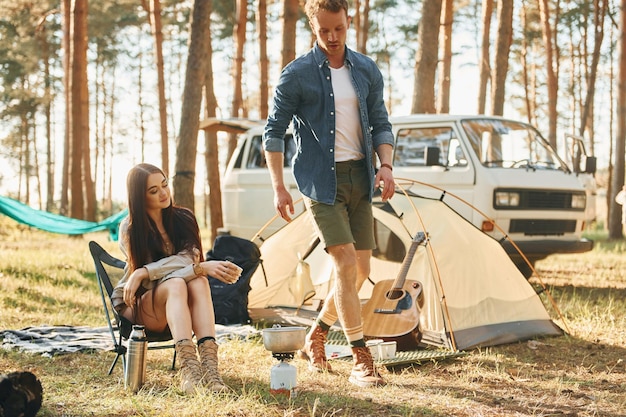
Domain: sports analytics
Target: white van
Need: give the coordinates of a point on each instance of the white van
(502, 167)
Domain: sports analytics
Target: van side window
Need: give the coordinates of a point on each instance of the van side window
(456, 156)
(428, 146)
(256, 155)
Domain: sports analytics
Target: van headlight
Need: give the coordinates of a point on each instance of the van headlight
(506, 199)
(579, 201)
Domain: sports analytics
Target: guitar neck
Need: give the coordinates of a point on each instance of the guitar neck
(408, 259)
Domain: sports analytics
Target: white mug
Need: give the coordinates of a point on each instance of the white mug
(373, 346)
(387, 350)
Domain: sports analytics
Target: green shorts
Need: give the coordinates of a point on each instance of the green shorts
(349, 219)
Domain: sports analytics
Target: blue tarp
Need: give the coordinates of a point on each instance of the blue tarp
(56, 223)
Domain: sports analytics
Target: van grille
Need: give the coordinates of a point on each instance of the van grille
(546, 200)
(530, 227)
(540, 199)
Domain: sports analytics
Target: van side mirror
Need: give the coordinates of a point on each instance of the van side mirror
(590, 164)
(431, 155)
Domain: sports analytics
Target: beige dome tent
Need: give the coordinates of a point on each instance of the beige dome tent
(473, 293)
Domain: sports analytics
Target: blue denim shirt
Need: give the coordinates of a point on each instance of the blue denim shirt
(304, 95)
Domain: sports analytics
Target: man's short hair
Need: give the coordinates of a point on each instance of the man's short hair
(312, 7)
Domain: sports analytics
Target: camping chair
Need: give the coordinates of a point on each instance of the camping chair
(109, 270)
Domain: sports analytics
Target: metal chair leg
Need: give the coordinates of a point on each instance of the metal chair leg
(115, 362)
(174, 360)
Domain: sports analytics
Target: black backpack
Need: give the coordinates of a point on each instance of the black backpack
(230, 301)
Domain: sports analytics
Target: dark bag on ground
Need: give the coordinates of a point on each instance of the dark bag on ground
(230, 301)
(21, 394)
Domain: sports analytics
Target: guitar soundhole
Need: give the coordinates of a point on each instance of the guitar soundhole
(395, 294)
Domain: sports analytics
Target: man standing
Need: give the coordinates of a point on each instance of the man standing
(334, 97)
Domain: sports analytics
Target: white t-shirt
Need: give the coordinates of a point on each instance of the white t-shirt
(348, 134)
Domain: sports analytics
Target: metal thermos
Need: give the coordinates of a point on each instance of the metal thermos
(135, 372)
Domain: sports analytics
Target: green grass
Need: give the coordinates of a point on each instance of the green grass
(49, 279)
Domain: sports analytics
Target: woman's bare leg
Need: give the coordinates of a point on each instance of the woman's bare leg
(165, 305)
(201, 307)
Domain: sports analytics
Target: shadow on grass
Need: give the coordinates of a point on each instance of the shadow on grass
(479, 381)
(561, 375)
(607, 296)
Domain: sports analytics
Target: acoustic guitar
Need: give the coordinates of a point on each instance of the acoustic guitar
(393, 311)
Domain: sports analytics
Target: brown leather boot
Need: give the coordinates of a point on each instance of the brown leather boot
(190, 371)
(208, 361)
(364, 374)
(314, 350)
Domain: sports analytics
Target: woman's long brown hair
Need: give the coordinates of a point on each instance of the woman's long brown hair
(144, 240)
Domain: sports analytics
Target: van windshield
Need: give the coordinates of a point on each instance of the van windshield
(509, 144)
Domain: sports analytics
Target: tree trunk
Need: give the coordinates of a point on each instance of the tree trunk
(24, 152)
(552, 86)
(617, 180)
(363, 27)
(99, 122)
(600, 7)
(186, 148)
(356, 22)
(445, 36)
(239, 33)
(80, 117)
(142, 118)
(66, 13)
(291, 11)
(426, 58)
(212, 151)
(80, 53)
(579, 62)
(157, 33)
(109, 140)
(484, 67)
(503, 47)
(528, 88)
(42, 35)
(611, 125)
(264, 61)
(36, 167)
